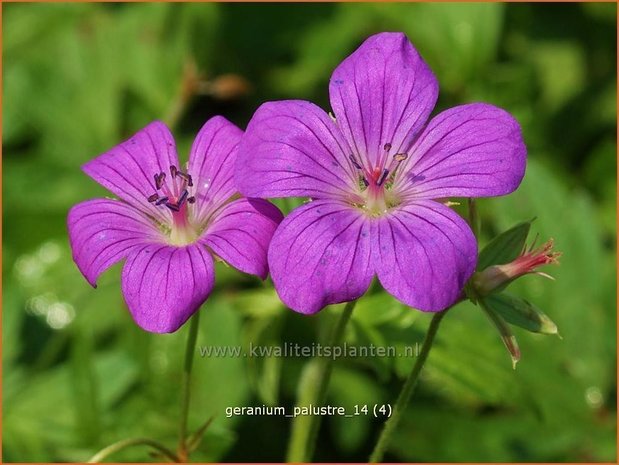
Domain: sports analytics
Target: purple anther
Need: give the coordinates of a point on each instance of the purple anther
(173, 171)
(161, 200)
(354, 162)
(153, 197)
(172, 206)
(383, 176)
(365, 182)
(182, 198)
(159, 179)
(387, 146)
(191, 199)
(186, 177)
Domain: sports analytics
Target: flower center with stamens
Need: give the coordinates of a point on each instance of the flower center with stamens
(174, 195)
(375, 182)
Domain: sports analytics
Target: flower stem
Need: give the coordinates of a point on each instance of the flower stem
(407, 391)
(186, 386)
(313, 392)
(120, 445)
(474, 221)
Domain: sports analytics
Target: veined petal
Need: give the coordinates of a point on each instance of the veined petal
(473, 150)
(104, 231)
(163, 285)
(293, 149)
(320, 255)
(425, 254)
(127, 170)
(212, 161)
(382, 94)
(241, 232)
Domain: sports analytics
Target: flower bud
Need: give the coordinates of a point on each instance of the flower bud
(497, 277)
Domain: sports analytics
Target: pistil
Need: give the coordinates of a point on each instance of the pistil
(375, 184)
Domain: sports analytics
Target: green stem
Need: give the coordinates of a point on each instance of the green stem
(120, 445)
(407, 391)
(186, 386)
(474, 221)
(305, 427)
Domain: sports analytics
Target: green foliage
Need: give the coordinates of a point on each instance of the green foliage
(78, 374)
(505, 247)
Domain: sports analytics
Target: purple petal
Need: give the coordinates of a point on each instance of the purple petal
(425, 254)
(320, 255)
(127, 170)
(240, 234)
(382, 94)
(104, 231)
(471, 150)
(292, 148)
(163, 286)
(211, 164)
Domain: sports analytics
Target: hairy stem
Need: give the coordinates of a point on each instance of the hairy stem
(186, 386)
(407, 391)
(313, 391)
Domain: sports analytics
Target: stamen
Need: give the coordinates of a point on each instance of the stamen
(387, 147)
(186, 177)
(182, 198)
(383, 176)
(159, 179)
(172, 206)
(365, 182)
(355, 162)
(395, 162)
(175, 195)
(400, 157)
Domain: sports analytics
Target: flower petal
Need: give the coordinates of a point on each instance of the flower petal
(473, 150)
(320, 255)
(212, 161)
(426, 253)
(241, 232)
(127, 170)
(163, 286)
(104, 231)
(382, 93)
(293, 149)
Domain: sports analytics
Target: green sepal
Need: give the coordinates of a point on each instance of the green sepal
(505, 247)
(507, 336)
(521, 312)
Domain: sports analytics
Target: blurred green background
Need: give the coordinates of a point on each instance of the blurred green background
(78, 374)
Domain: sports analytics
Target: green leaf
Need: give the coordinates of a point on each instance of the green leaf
(520, 312)
(505, 247)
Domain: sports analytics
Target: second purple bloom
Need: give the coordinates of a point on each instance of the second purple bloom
(375, 173)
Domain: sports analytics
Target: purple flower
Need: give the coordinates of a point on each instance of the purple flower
(170, 223)
(375, 173)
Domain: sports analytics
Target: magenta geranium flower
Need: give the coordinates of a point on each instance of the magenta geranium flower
(376, 174)
(169, 223)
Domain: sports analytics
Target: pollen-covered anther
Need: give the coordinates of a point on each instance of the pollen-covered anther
(399, 157)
